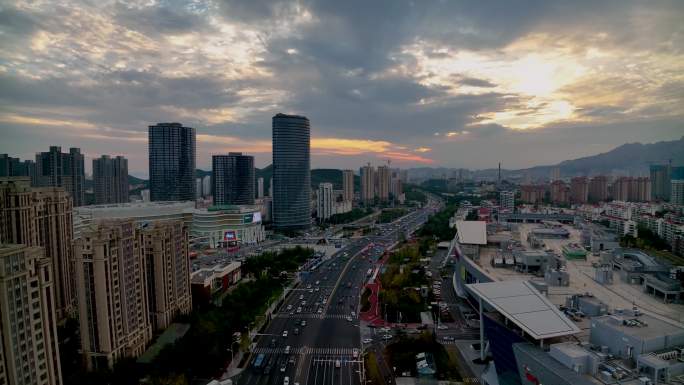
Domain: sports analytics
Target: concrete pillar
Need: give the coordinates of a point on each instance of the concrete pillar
(482, 349)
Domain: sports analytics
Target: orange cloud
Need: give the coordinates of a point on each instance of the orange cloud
(406, 157)
(339, 146)
(423, 149)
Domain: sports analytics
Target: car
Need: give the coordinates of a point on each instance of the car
(292, 360)
(287, 349)
(296, 331)
(283, 368)
(285, 334)
(303, 303)
(448, 338)
(355, 353)
(318, 282)
(367, 341)
(442, 327)
(301, 297)
(353, 314)
(299, 309)
(289, 307)
(387, 337)
(338, 363)
(303, 323)
(349, 318)
(286, 381)
(320, 310)
(317, 289)
(308, 286)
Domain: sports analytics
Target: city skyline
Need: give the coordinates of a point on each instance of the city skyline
(436, 85)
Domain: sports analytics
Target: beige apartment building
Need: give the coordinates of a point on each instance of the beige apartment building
(348, 185)
(29, 353)
(41, 216)
(132, 278)
(112, 300)
(164, 247)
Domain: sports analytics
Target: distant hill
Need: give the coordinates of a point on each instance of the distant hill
(628, 159)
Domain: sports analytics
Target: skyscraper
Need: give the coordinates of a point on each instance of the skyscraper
(348, 185)
(291, 172)
(41, 216)
(660, 182)
(28, 330)
(326, 204)
(367, 184)
(15, 167)
(57, 169)
(112, 300)
(598, 189)
(507, 200)
(232, 178)
(260, 187)
(579, 190)
(382, 178)
(172, 162)
(110, 179)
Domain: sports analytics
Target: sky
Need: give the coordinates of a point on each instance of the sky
(419, 83)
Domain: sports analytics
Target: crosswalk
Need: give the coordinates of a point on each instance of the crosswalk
(305, 350)
(312, 316)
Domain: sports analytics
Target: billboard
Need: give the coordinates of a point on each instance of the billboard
(229, 236)
(252, 218)
(247, 218)
(257, 217)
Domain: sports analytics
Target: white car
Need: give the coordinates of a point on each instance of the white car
(289, 307)
(355, 353)
(299, 309)
(301, 297)
(349, 318)
(320, 310)
(387, 337)
(442, 327)
(367, 341)
(286, 381)
(285, 333)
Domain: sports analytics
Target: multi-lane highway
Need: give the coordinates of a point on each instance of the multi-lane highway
(314, 338)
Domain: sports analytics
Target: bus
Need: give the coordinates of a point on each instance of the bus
(259, 361)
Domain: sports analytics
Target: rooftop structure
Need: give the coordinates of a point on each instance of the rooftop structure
(525, 306)
(472, 232)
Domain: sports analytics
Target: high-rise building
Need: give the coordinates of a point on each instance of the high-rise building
(326, 201)
(579, 190)
(348, 185)
(383, 183)
(367, 184)
(532, 193)
(555, 174)
(206, 186)
(560, 193)
(172, 162)
(15, 167)
(41, 216)
(598, 189)
(660, 182)
(110, 179)
(28, 329)
(232, 178)
(270, 187)
(291, 172)
(507, 200)
(677, 192)
(112, 300)
(621, 189)
(260, 187)
(164, 247)
(198, 188)
(641, 189)
(57, 169)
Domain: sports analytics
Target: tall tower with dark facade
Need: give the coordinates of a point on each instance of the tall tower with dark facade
(110, 179)
(57, 169)
(172, 162)
(291, 172)
(232, 179)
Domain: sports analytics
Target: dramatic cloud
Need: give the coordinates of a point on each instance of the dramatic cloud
(452, 83)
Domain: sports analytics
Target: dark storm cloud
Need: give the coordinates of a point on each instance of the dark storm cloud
(350, 65)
